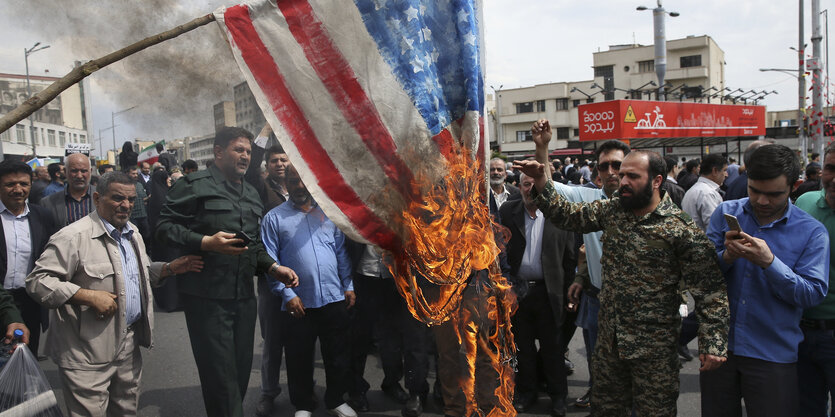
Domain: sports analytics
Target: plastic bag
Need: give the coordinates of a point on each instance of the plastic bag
(24, 390)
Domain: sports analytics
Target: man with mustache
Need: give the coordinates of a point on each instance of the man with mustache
(499, 191)
(650, 245)
(216, 214)
(95, 276)
(308, 245)
(76, 200)
(775, 267)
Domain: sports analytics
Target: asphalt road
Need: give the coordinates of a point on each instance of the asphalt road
(170, 386)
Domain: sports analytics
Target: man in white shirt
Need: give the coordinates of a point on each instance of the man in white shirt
(499, 191)
(703, 197)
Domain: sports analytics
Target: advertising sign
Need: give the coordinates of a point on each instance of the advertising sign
(72, 148)
(640, 119)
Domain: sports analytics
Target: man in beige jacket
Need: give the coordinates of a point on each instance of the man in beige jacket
(96, 277)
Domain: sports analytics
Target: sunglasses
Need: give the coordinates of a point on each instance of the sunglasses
(604, 166)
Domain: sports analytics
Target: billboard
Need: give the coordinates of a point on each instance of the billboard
(641, 119)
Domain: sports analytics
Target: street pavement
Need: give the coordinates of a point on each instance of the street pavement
(170, 386)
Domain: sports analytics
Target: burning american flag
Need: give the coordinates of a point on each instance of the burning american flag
(379, 105)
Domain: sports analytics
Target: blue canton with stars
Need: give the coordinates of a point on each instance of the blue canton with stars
(432, 47)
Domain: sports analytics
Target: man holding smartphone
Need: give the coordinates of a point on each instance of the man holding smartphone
(775, 267)
(202, 215)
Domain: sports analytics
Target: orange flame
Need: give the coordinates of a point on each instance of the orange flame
(450, 235)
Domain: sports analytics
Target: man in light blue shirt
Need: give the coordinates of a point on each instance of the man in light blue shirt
(305, 243)
(609, 156)
(776, 267)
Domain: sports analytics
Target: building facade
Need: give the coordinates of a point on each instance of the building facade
(224, 114)
(247, 113)
(694, 65)
(63, 120)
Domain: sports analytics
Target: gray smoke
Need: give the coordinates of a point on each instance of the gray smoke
(175, 83)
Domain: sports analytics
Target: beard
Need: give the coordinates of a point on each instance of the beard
(496, 181)
(637, 200)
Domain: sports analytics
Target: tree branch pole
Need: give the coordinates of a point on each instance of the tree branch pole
(79, 73)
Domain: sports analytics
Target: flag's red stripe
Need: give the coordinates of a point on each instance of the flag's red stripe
(445, 143)
(292, 118)
(341, 82)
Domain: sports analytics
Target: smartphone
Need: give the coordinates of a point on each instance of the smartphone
(243, 236)
(733, 223)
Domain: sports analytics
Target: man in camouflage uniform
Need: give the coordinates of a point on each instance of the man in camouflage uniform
(649, 245)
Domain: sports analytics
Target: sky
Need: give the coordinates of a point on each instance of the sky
(175, 84)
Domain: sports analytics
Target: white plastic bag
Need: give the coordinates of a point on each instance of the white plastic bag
(24, 390)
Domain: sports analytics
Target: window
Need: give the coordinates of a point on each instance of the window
(524, 107)
(589, 100)
(636, 95)
(562, 104)
(6, 136)
(562, 132)
(82, 139)
(608, 74)
(576, 133)
(20, 133)
(575, 103)
(35, 136)
(540, 105)
(691, 61)
(604, 71)
(62, 139)
(523, 135)
(646, 66)
(50, 136)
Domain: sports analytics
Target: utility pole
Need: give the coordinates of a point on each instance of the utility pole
(817, 80)
(801, 89)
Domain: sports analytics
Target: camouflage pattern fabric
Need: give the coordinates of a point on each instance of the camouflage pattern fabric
(643, 261)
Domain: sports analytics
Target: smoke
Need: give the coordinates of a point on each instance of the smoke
(174, 84)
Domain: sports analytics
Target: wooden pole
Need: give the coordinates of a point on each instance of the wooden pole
(79, 73)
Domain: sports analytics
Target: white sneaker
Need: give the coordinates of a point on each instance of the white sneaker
(303, 413)
(343, 410)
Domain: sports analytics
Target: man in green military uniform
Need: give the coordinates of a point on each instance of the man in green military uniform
(202, 215)
(649, 245)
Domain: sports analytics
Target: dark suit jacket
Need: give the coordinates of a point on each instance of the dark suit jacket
(558, 257)
(41, 227)
(515, 194)
(738, 188)
(675, 191)
(56, 204)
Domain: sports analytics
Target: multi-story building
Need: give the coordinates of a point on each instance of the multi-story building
(247, 113)
(200, 149)
(694, 65)
(63, 120)
(224, 112)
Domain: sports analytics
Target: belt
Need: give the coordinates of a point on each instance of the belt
(533, 283)
(817, 324)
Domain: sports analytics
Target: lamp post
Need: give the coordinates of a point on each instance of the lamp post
(26, 52)
(658, 15)
(499, 135)
(113, 126)
(801, 98)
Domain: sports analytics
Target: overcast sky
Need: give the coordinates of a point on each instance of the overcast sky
(527, 42)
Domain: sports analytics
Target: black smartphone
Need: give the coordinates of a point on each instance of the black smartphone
(243, 236)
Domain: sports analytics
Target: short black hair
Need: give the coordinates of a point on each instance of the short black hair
(112, 177)
(227, 134)
(712, 161)
(815, 155)
(104, 167)
(274, 150)
(771, 161)
(671, 162)
(656, 166)
(612, 144)
(14, 167)
(190, 164)
(159, 147)
(53, 169)
(693, 163)
(810, 170)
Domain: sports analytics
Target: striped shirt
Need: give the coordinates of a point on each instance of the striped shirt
(130, 271)
(76, 209)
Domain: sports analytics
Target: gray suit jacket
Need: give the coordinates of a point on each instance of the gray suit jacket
(57, 206)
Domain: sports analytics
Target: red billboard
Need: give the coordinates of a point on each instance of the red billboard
(640, 119)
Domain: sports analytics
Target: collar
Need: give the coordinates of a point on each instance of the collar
(86, 194)
(218, 176)
(25, 213)
(672, 180)
(709, 183)
(748, 209)
(504, 190)
(116, 234)
(821, 203)
(666, 207)
(313, 206)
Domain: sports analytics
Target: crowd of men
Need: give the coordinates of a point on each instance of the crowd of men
(614, 247)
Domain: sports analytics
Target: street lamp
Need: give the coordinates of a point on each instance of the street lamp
(26, 52)
(113, 126)
(801, 103)
(573, 89)
(658, 15)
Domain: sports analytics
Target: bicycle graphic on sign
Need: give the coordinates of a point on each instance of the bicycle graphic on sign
(658, 122)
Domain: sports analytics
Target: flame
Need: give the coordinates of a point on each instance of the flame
(450, 236)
